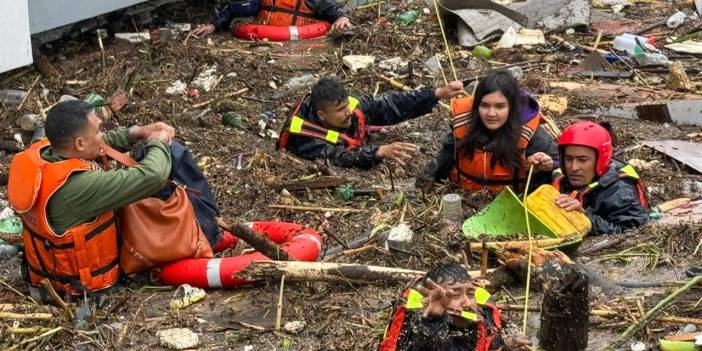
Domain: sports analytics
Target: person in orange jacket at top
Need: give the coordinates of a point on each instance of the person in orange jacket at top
(278, 13)
(496, 137)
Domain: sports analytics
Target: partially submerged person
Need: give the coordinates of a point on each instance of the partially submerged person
(278, 13)
(445, 311)
(67, 200)
(609, 192)
(496, 137)
(330, 124)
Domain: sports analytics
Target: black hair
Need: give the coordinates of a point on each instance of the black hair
(448, 273)
(325, 92)
(503, 143)
(65, 121)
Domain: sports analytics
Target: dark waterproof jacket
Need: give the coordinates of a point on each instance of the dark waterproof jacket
(185, 171)
(383, 110)
(325, 10)
(440, 168)
(438, 334)
(614, 206)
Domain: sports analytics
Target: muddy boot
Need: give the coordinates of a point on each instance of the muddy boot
(694, 271)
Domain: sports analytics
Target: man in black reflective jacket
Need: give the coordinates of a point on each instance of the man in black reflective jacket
(330, 124)
(609, 192)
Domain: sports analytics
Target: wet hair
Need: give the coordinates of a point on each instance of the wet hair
(325, 92)
(503, 143)
(65, 121)
(448, 273)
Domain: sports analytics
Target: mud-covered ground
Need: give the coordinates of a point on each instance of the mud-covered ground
(339, 316)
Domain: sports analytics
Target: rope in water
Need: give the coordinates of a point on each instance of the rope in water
(446, 44)
(531, 246)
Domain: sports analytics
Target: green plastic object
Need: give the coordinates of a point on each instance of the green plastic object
(345, 192)
(407, 17)
(95, 100)
(12, 225)
(482, 52)
(667, 345)
(504, 217)
(232, 119)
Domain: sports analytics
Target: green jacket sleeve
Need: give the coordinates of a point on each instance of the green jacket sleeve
(119, 139)
(89, 194)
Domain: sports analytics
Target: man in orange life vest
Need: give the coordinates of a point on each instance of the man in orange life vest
(609, 192)
(330, 124)
(278, 13)
(444, 311)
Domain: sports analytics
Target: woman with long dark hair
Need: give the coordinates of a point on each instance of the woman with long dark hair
(496, 137)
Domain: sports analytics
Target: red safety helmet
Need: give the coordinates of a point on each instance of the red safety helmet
(590, 134)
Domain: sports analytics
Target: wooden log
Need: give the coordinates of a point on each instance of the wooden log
(678, 78)
(327, 272)
(259, 242)
(565, 309)
(26, 317)
(318, 183)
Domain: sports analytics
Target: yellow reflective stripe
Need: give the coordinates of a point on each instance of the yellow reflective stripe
(353, 103)
(414, 300)
(558, 171)
(332, 136)
(469, 315)
(481, 296)
(593, 185)
(296, 124)
(630, 171)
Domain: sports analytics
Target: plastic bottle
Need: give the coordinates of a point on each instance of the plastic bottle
(451, 207)
(676, 20)
(628, 43)
(651, 59)
(11, 96)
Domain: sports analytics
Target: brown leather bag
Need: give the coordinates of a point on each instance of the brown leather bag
(156, 232)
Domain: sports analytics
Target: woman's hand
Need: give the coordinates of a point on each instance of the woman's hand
(542, 161)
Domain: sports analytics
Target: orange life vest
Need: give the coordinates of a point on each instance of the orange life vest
(475, 173)
(487, 327)
(286, 13)
(297, 125)
(626, 172)
(85, 257)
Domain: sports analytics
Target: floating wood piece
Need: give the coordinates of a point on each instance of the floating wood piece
(687, 152)
(259, 242)
(604, 74)
(678, 78)
(327, 272)
(317, 183)
(565, 310)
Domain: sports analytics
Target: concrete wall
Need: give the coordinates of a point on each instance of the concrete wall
(15, 45)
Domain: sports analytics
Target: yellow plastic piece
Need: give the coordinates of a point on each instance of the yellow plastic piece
(481, 296)
(414, 300)
(542, 203)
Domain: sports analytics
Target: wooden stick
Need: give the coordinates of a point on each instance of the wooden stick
(38, 337)
(259, 242)
(54, 296)
(483, 259)
(531, 249)
(42, 113)
(650, 314)
(19, 107)
(317, 209)
(279, 312)
(29, 330)
(597, 41)
(477, 247)
(394, 83)
(441, 69)
(26, 317)
(317, 183)
(585, 47)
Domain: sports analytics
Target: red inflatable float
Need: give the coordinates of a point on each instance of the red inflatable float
(300, 243)
(280, 33)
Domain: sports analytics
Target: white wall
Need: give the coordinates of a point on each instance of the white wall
(50, 14)
(15, 45)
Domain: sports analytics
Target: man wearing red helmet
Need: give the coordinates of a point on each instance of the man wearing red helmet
(609, 192)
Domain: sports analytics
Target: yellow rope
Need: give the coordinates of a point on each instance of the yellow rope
(443, 34)
(531, 246)
(441, 68)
